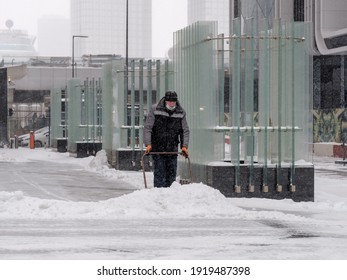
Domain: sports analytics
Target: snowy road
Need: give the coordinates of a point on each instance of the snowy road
(168, 239)
(56, 207)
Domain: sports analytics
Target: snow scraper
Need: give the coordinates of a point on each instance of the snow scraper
(182, 181)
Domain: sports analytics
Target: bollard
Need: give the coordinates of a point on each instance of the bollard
(237, 189)
(16, 142)
(343, 148)
(32, 140)
(12, 143)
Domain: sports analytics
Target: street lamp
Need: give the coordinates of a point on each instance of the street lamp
(73, 51)
(126, 58)
(127, 36)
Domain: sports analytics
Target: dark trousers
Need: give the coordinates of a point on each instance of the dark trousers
(165, 168)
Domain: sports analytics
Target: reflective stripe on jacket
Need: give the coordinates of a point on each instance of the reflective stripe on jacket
(165, 129)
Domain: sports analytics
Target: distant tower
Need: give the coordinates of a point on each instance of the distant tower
(104, 22)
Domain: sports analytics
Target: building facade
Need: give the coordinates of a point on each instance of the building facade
(104, 22)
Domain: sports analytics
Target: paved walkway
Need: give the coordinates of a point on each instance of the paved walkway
(51, 180)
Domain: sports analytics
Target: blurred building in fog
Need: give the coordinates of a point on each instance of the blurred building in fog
(16, 46)
(199, 10)
(104, 22)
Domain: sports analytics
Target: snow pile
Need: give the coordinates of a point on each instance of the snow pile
(187, 201)
(99, 164)
(323, 200)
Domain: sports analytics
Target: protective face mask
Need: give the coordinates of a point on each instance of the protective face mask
(170, 108)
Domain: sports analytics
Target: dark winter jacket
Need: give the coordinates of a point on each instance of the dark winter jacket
(165, 129)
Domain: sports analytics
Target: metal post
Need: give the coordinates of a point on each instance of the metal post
(126, 80)
(73, 57)
(127, 36)
(73, 52)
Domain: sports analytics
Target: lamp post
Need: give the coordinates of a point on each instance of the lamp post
(127, 36)
(127, 46)
(73, 52)
(126, 60)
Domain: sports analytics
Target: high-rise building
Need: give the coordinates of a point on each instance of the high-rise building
(104, 22)
(199, 10)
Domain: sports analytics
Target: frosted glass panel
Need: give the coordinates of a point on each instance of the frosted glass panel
(248, 96)
(235, 136)
(124, 112)
(58, 114)
(264, 99)
(85, 112)
(270, 90)
(74, 90)
(195, 66)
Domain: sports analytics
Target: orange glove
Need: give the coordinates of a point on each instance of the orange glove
(185, 151)
(148, 148)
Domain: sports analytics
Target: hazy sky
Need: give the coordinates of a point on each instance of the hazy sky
(168, 16)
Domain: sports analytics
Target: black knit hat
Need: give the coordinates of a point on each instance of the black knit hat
(170, 96)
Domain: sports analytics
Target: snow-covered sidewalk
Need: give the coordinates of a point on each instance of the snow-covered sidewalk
(48, 220)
